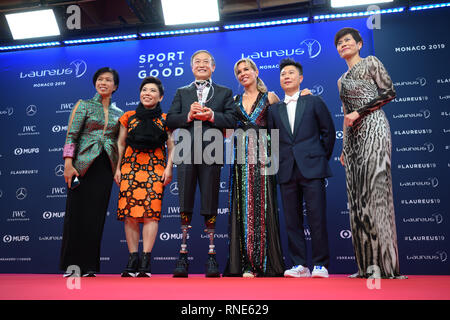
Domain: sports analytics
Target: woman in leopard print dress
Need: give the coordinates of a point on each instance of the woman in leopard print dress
(364, 89)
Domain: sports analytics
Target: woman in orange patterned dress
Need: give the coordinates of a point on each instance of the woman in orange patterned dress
(143, 173)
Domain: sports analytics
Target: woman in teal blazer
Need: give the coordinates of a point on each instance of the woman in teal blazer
(90, 160)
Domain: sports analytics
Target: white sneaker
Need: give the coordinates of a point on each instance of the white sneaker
(320, 272)
(297, 272)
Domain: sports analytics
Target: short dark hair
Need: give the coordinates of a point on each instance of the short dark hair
(291, 62)
(104, 70)
(154, 80)
(344, 31)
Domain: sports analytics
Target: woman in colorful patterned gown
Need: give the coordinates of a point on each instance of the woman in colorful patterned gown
(90, 155)
(143, 173)
(364, 89)
(254, 237)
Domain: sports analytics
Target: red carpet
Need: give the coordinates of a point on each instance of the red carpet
(197, 287)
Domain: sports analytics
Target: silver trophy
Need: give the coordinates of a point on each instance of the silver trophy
(200, 88)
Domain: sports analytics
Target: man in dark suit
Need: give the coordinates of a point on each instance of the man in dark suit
(198, 107)
(306, 141)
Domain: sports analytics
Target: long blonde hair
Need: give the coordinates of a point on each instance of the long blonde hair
(260, 86)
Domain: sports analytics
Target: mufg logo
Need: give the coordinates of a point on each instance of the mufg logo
(76, 68)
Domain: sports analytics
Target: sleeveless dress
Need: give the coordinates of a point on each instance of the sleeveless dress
(141, 189)
(365, 88)
(254, 237)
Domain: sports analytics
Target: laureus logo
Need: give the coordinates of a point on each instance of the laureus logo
(317, 90)
(313, 47)
(76, 67)
(80, 67)
(442, 255)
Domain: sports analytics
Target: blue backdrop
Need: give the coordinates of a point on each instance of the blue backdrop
(40, 87)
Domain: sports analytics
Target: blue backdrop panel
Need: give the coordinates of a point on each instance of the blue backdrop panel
(416, 49)
(40, 87)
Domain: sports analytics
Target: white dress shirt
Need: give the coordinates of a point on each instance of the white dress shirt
(291, 106)
(202, 95)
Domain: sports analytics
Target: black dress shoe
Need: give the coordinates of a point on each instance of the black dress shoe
(132, 266)
(144, 270)
(212, 267)
(181, 267)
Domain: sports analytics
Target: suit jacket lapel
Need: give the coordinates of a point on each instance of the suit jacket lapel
(284, 117)
(212, 90)
(299, 114)
(193, 93)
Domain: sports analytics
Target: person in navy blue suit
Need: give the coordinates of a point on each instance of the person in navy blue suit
(306, 140)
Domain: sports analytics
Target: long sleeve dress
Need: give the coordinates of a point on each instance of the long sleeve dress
(365, 88)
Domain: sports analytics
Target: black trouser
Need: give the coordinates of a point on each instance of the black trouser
(312, 191)
(84, 219)
(208, 177)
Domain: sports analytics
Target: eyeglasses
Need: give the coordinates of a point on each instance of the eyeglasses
(198, 62)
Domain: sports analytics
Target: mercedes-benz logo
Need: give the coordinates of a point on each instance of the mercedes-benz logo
(59, 170)
(174, 188)
(21, 193)
(31, 110)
